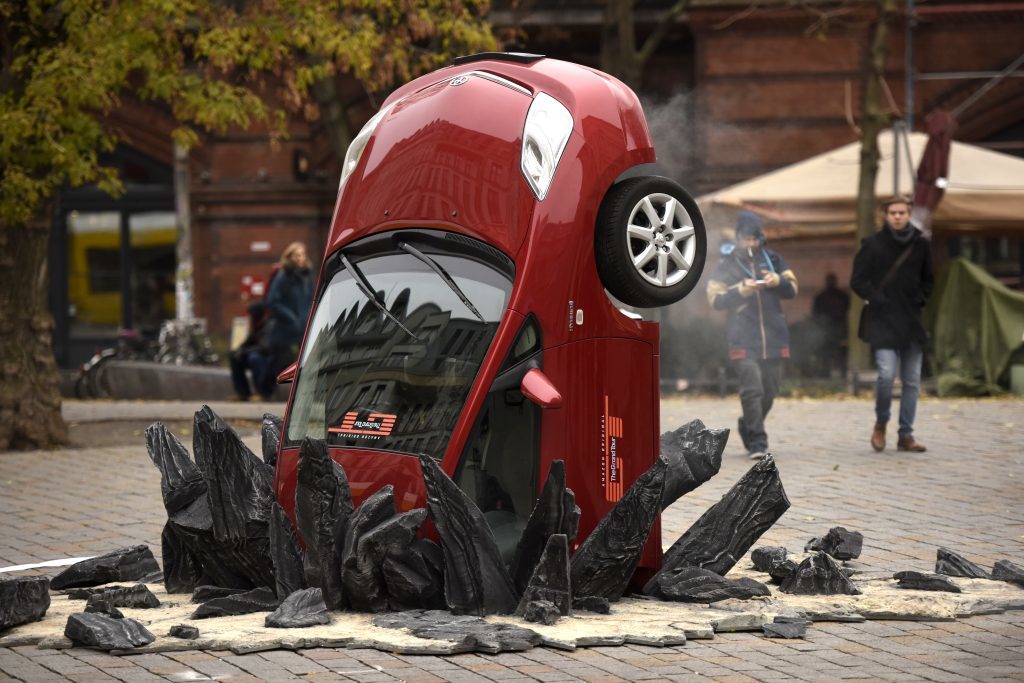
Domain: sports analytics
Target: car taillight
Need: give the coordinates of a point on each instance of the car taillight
(547, 130)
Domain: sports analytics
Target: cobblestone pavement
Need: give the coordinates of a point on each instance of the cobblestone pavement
(966, 492)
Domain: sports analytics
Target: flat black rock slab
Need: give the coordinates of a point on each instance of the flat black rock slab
(300, 609)
(786, 628)
(925, 582)
(285, 553)
(839, 543)
(693, 584)
(88, 592)
(819, 574)
(23, 600)
(592, 603)
(725, 532)
(472, 634)
(555, 512)
(767, 556)
(694, 455)
(550, 581)
(1004, 570)
(271, 434)
(103, 607)
(207, 593)
(952, 564)
(475, 578)
(257, 600)
(182, 567)
(183, 631)
(123, 564)
(780, 571)
(603, 565)
(106, 633)
(323, 504)
(137, 596)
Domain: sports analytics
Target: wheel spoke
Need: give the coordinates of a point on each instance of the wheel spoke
(652, 214)
(644, 257)
(678, 258)
(662, 268)
(640, 232)
(670, 210)
(683, 232)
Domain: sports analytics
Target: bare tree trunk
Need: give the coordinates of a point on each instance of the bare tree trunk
(873, 118)
(30, 414)
(334, 115)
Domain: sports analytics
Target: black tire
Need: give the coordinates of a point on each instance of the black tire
(615, 248)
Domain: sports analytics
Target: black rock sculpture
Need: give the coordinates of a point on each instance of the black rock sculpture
(550, 581)
(240, 485)
(784, 627)
(414, 578)
(725, 532)
(207, 593)
(1004, 570)
(123, 564)
(106, 633)
(323, 504)
(693, 584)
(469, 633)
(103, 607)
(694, 455)
(360, 574)
(839, 543)
(592, 603)
(285, 554)
(183, 631)
(475, 578)
(23, 600)
(819, 574)
(363, 573)
(541, 612)
(950, 563)
(137, 596)
(767, 556)
(260, 599)
(206, 543)
(272, 426)
(300, 609)
(182, 568)
(555, 512)
(925, 582)
(604, 564)
(181, 482)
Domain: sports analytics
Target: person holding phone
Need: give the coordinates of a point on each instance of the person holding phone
(750, 283)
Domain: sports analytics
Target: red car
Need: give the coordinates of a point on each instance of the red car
(486, 217)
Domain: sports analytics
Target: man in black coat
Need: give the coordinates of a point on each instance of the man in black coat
(892, 272)
(750, 283)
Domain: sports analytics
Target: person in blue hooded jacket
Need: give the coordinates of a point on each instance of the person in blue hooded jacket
(750, 282)
(289, 300)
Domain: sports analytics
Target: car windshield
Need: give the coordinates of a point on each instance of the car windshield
(367, 382)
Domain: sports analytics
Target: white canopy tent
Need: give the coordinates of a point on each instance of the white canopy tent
(816, 197)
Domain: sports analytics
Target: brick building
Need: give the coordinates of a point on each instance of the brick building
(735, 89)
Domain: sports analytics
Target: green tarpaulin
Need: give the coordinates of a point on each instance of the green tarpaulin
(977, 325)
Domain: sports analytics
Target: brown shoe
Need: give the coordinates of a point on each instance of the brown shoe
(907, 443)
(878, 437)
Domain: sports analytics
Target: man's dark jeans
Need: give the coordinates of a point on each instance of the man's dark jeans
(759, 384)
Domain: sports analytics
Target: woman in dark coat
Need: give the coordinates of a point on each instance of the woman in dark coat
(289, 301)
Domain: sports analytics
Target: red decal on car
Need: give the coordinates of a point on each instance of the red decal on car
(374, 424)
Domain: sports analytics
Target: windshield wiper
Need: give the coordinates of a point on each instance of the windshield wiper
(436, 267)
(364, 286)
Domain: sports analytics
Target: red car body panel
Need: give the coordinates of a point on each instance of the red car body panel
(447, 157)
